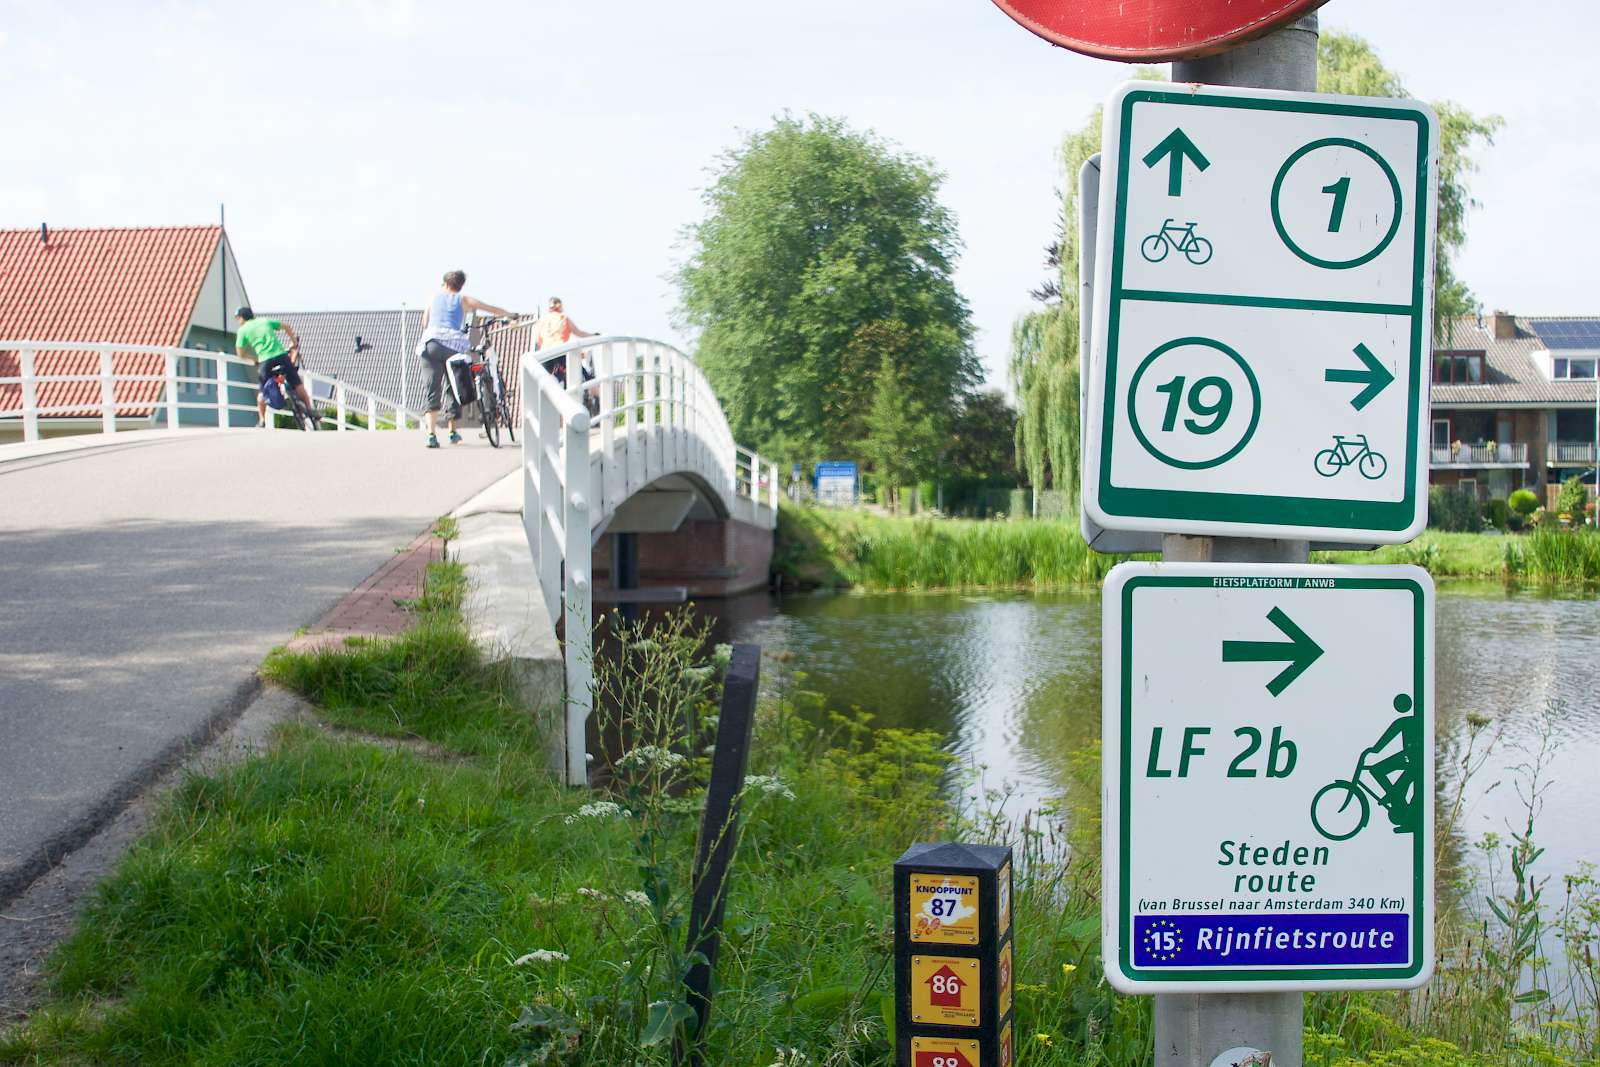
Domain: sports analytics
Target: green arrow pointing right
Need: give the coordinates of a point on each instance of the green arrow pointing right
(1176, 145)
(1300, 651)
(1374, 375)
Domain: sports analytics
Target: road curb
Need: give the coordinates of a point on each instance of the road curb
(508, 620)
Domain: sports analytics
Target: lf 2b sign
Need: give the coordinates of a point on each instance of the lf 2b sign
(1262, 315)
(1268, 748)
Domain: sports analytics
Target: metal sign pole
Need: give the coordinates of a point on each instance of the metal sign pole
(1192, 1029)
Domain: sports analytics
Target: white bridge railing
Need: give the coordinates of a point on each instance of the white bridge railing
(189, 380)
(656, 416)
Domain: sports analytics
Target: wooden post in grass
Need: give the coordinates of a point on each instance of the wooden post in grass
(718, 835)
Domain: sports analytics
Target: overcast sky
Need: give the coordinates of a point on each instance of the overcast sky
(559, 146)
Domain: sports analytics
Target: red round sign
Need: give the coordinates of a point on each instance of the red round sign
(1152, 30)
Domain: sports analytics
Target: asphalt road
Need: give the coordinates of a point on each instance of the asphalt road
(141, 584)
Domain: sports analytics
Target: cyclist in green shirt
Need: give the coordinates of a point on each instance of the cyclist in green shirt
(257, 339)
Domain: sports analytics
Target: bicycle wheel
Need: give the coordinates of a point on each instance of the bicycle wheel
(491, 424)
(302, 417)
(1338, 824)
(1154, 247)
(1328, 462)
(506, 420)
(1199, 252)
(1372, 466)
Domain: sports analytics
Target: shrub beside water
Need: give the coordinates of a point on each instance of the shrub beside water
(1453, 510)
(1572, 499)
(1553, 556)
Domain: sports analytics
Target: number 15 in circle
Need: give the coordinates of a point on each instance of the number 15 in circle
(1194, 403)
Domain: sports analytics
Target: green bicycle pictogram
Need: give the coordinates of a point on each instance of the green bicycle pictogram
(1195, 248)
(1395, 776)
(1347, 452)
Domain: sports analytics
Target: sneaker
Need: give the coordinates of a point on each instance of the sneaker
(455, 438)
(433, 440)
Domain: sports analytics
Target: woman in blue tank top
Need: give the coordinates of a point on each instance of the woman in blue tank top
(443, 336)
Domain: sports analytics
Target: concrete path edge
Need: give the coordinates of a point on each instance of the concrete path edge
(505, 611)
(53, 849)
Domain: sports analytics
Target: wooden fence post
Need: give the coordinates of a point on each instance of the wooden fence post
(718, 835)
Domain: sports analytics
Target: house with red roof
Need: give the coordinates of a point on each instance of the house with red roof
(172, 286)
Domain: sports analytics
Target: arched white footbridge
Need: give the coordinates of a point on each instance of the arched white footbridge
(657, 448)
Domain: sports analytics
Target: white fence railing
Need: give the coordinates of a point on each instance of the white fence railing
(1487, 454)
(655, 415)
(188, 380)
(1570, 453)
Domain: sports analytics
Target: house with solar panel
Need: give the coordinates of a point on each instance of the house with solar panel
(1514, 404)
(169, 286)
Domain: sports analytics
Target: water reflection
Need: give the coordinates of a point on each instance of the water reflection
(1014, 681)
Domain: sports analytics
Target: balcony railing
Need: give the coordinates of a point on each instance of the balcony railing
(1570, 453)
(1480, 455)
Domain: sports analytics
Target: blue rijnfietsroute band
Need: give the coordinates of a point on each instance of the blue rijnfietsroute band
(1320, 940)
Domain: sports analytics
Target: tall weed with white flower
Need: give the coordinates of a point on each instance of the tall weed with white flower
(655, 699)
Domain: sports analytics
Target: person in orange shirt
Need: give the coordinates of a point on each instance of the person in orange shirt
(554, 328)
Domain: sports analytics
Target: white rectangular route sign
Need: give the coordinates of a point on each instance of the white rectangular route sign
(1268, 777)
(1262, 315)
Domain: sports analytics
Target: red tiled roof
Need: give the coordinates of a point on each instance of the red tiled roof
(134, 286)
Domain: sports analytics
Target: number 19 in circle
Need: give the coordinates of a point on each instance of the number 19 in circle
(1194, 403)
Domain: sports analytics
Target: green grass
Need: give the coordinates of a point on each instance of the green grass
(844, 548)
(342, 901)
(431, 683)
(819, 546)
(1444, 555)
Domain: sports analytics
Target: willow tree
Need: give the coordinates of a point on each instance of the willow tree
(1044, 342)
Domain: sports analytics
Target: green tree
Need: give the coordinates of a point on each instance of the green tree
(1044, 367)
(823, 256)
(1347, 64)
(903, 437)
(981, 441)
(1044, 343)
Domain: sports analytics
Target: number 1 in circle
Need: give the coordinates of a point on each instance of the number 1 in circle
(1340, 190)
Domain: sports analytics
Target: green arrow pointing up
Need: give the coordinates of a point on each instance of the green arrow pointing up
(1300, 651)
(1374, 375)
(1176, 145)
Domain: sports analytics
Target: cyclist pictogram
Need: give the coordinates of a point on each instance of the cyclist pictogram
(1174, 237)
(1348, 452)
(1389, 777)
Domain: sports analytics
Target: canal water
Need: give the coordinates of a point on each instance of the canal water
(1014, 681)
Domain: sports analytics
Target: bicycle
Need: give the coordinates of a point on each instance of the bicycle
(483, 385)
(282, 396)
(557, 367)
(1331, 461)
(1353, 789)
(1194, 248)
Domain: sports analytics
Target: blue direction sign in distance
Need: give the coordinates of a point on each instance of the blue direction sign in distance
(836, 482)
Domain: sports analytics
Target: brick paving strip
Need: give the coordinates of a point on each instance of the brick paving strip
(371, 609)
